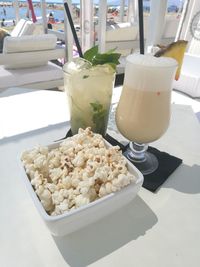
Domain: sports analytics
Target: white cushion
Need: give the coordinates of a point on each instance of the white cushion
(121, 32)
(28, 28)
(23, 27)
(20, 77)
(22, 65)
(188, 84)
(189, 81)
(28, 43)
(17, 29)
(122, 36)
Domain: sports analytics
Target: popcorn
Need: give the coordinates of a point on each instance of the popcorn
(45, 197)
(79, 160)
(67, 182)
(81, 170)
(37, 179)
(80, 200)
(55, 174)
(40, 161)
(52, 187)
(102, 191)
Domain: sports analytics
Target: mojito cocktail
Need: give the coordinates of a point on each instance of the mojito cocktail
(89, 90)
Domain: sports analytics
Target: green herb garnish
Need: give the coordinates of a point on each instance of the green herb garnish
(99, 117)
(96, 58)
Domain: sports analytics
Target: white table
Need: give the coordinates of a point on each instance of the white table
(154, 230)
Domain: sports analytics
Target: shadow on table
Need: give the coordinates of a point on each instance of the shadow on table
(17, 91)
(54, 131)
(107, 235)
(185, 179)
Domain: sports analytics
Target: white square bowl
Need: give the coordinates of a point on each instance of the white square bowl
(76, 219)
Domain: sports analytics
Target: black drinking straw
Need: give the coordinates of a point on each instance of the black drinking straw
(141, 27)
(73, 29)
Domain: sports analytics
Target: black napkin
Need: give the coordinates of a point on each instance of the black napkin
(167, 164)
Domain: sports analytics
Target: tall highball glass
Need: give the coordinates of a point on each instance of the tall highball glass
(89, 92)
(143, 111)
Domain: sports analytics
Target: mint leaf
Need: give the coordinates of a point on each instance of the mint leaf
(96, 106)
(99, 117)
(91, 53)
(96, 58)
(106, 58)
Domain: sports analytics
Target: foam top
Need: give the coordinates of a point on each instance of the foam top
(149, 73)
(151, 61)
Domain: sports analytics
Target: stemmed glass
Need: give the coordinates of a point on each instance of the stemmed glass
(143, 111)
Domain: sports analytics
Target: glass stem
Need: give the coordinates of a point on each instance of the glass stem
(137, 152)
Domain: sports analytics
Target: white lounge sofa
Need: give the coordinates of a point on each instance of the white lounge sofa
(122, 36)
(125, 35)
(189, 81)
(25, 62)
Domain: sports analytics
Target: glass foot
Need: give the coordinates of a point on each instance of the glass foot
(148, 164)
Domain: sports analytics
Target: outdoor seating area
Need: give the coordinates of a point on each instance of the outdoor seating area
(25, 61)
(100, 133)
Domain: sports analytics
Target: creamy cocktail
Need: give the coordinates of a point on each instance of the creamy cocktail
(89, 89)
(145, 115)
(143, 112)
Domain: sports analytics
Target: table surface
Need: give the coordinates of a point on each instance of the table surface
(155, 229)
